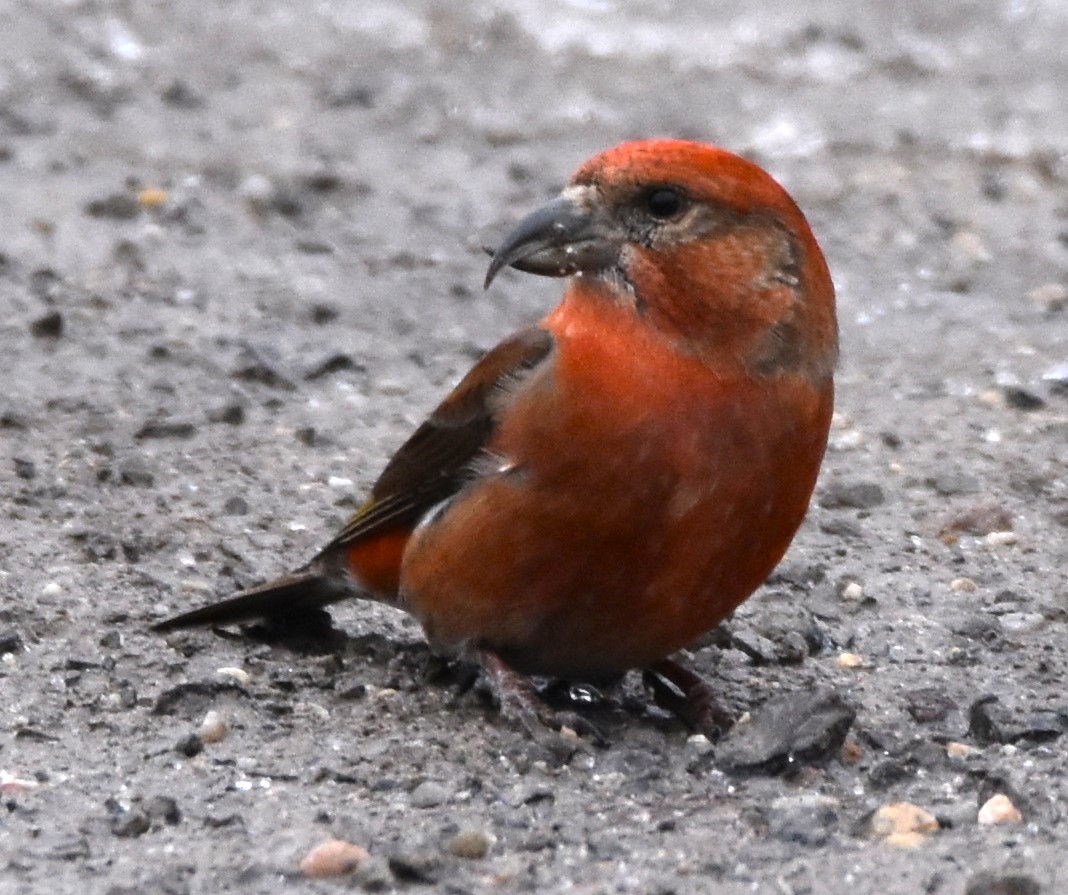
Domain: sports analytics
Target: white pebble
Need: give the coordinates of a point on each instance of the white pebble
(699, 743)
(962, 585)
(237, 674)
(1001, 538)
(852, 591)
(212, 728)
(52, 589)
(999, 809)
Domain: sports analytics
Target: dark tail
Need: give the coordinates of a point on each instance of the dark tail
(290, 596)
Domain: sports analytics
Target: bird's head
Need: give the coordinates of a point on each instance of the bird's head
(702, 244)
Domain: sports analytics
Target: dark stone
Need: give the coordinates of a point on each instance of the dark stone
(794, 726)
(851, 495)
(180, 95)
(117, 206)
(841, 528)
(333, 363)
(190, 745)
(163, 808)
(193, 698)
(374, 875)
(134, 473)
(419, 867)
(888, 772)
(48, 326)
(928, 704)
(759, 649)
(981, 629)
(235, 506)
(991, 722)
(322, 314)
(256, 366)
(808, 825)
(130, 824)
(70, 850)
(10, 641)
(344, 93)
(25, 469)
(232, 414)
(949, 483)
(1021, 399)
(166, 429)
(1002, 884)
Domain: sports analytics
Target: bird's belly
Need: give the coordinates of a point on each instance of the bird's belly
(591, 568)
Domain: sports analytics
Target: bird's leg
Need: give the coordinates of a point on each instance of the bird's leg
(518, 698)
(689, 697)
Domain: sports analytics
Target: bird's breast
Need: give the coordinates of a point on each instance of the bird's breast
(644, 497)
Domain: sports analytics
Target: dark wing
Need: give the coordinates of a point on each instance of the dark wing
(430, 467)
(436, 461)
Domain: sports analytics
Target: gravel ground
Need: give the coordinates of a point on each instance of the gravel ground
(240, 260)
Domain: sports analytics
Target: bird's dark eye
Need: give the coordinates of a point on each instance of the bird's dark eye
(665, 202)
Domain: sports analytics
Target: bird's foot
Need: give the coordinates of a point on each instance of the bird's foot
(520, 701)
(689, 697)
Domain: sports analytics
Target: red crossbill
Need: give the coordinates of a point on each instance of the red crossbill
(605, 487)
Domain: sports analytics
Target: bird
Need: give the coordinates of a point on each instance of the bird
(603, 488)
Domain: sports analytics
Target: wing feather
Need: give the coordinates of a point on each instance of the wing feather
(440, 456)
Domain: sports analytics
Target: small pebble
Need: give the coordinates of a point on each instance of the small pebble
(902, 824)
(190, 745)
(857, 495)
(334, 857)
(52, 589)
(163, 808)
(236, 674)
(1022, 622)
(48, 326)
(25, 469)
(471, 844)
(130, 824)
(963, 585)
(969, 247)
(257, 191)
(212, 728)
(987, 883)
(959, 750)
(998, 809)
(699, 743)
(429, 795)
(852, 751)
(1001, 538)
(1021, 398)
(152, 197)
(1050, 297)
(852, 591)
(850, 660)
(236, 506)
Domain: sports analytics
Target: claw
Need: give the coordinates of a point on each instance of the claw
(689, 697)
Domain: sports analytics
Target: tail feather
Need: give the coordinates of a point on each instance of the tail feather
(291, 596)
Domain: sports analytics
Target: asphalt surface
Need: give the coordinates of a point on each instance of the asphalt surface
(241, 259)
